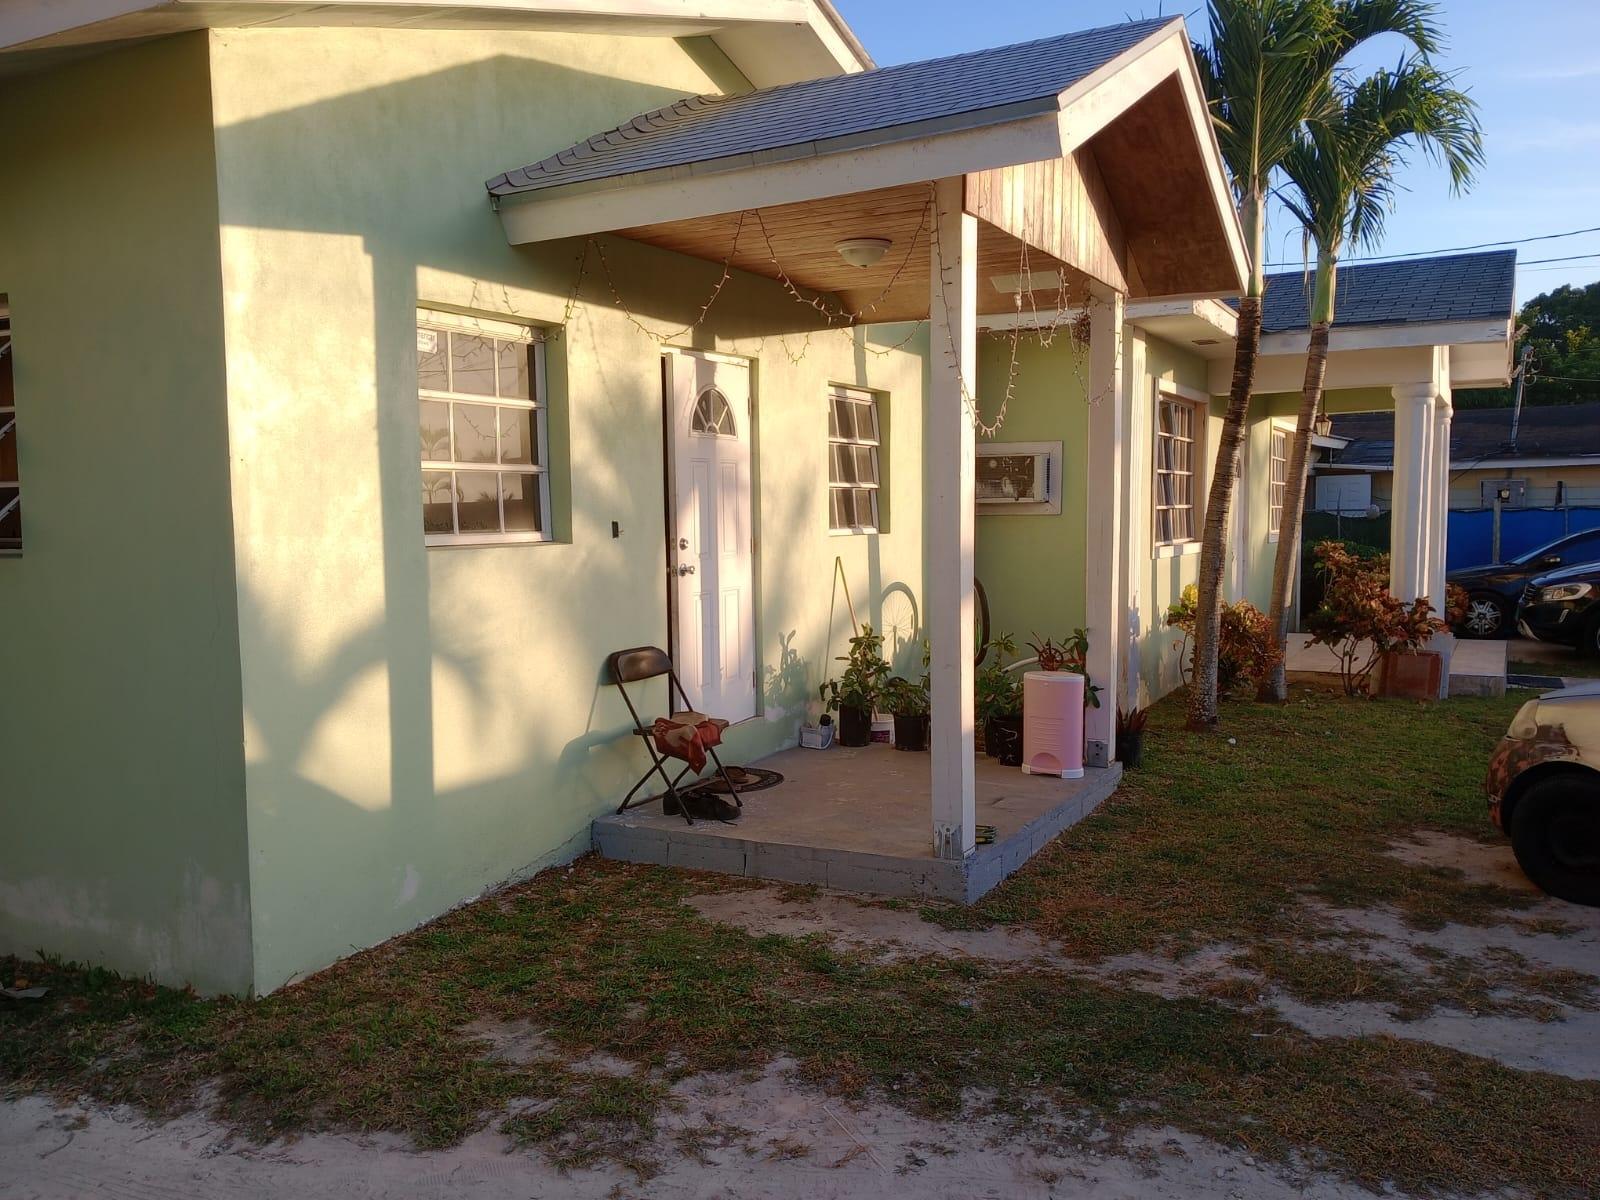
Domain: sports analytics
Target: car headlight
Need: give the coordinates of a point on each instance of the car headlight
(1565, 591)
(1525, 725)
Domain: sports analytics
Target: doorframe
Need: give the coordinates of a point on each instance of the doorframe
(669, 504)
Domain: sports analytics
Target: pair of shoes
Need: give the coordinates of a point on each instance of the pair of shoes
(699, 805)
(984, 835)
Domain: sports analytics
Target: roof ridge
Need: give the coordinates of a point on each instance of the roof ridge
(1402, 262)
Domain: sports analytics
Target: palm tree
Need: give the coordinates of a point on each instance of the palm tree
(1267, 70)
(1341, 188)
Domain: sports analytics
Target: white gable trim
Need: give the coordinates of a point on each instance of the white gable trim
(770, 41)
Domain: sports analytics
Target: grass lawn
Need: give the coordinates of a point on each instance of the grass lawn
(1576, 666)
(1221, 839)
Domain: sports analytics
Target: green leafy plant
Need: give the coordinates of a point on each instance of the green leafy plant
(1071, 654)
(904, 698)
(1360, 619)
(1246, 649)
(1132, 720)
(861, 683)
(998, 690)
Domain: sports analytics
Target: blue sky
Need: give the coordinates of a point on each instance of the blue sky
(1533, 67)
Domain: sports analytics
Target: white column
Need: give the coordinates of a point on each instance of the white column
(1413, 417)
(949, 485)
(1105, 611)
(1443, 643)
(1442, 412)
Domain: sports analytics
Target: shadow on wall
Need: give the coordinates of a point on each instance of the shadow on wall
(359, 825)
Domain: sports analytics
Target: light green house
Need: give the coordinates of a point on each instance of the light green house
(281, 678)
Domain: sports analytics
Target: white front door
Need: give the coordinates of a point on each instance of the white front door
(711, 555)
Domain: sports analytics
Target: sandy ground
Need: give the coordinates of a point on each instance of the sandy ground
(768, 1138)
(764, 1134)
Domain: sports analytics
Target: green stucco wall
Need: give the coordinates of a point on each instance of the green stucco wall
(421, 724)
(1031, 565)
(121, 769)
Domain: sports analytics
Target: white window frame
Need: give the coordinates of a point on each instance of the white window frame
(1277, 477)
(863, 397)
(1050, 505)
(1199, 411)
(8, 429)
(538, 404)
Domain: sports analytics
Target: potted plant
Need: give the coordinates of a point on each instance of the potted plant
(855, 693)
(1130, 736)
(1364, 623)
(998, 703)
(908, 703)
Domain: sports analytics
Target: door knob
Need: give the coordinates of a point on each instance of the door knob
(686, 569)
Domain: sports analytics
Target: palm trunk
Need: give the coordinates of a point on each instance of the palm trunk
(1276, 686)
(1214, 541)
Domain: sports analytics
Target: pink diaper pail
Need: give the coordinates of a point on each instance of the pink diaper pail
(1052, 723)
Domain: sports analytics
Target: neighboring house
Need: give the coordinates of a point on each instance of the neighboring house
(1545, 475)
(1408, 334)
(339, 477)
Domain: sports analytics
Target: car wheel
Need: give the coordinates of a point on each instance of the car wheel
(1486, 616)
(1591, 638)
(1555, 832)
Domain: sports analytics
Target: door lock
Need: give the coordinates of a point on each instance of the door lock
(683, 543)
(686, 569)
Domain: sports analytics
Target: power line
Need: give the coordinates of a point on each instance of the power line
(1543, 237)
(1562, 259)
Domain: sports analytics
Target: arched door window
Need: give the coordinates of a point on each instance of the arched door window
(713, 415)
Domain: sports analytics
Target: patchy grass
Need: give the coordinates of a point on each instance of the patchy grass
(1577, 666)
(1213, 842)
(1218, 840)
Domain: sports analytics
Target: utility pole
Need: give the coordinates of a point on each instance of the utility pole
(1516, 408)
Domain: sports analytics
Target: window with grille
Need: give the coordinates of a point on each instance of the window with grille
(1277, 481)
(485, 470)
(10, 477)
(1175, 470)
(853, 446)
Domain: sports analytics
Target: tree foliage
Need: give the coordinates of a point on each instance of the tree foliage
(1563, 327)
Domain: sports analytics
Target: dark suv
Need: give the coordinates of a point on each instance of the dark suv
(1564, 607)
(1493, 592)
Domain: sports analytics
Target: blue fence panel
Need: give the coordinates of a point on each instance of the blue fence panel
(1470, 536)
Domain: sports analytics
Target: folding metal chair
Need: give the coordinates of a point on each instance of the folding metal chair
(638, 665)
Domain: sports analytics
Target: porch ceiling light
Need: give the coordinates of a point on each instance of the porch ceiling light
(863, 252)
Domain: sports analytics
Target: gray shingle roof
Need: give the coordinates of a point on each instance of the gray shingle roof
(1547, 431)
(1458, 287)
(983, 86)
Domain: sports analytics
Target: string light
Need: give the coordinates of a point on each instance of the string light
(845, 321)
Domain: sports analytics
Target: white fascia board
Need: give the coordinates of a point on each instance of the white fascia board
(1212, 313)
(71, 22)
(793, 174)
(1383, 337)
(1346, 369)
(1100, 97)
(788, 48)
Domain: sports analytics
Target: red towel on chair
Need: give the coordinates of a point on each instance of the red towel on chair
(687, 736)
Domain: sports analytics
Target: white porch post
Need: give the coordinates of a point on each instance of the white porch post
(1443, 643)
(1442, 411)
(950, 487)
(1408, 551)
(1104, 609)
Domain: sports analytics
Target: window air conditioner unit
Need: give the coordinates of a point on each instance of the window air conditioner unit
(1019, 477)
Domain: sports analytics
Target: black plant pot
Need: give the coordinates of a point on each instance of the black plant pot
(910, 731)
(1130, 749)
(1003, 738)
(855, 726)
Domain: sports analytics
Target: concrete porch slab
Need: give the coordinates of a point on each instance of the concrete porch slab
(1476, 668)
(859, 820)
